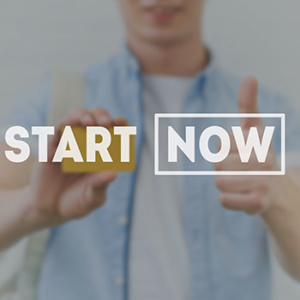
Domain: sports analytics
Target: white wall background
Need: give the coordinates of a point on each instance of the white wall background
(255, 37)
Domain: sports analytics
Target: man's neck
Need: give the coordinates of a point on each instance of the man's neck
(184, 58)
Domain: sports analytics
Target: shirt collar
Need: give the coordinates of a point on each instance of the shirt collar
(132, 66)
(128, 61)
(203, 76)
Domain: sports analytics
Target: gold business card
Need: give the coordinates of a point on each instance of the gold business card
(115, 148)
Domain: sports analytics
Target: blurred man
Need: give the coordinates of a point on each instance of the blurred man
(156, 237)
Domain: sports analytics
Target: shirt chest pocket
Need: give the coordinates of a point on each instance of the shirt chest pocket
(240, 226)
(244, 243)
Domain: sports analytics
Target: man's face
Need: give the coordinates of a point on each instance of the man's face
(162, 21)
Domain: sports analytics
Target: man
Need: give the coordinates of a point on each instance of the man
(155, 237)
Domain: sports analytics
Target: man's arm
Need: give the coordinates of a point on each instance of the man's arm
(14, 216)
(275, 198)
(283, 222)
(14, 176)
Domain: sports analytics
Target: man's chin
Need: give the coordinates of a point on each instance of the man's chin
(164, 38)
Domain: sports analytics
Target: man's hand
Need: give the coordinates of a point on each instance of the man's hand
(52, 197)
(275, 198)
(252, 194)
(55, 197)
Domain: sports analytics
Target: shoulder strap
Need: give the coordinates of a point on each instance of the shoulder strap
(30, 269)
(67, 94)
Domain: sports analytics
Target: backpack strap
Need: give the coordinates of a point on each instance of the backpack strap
(31, 265)
(67, 94)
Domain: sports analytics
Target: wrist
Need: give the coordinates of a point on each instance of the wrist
(278, 198)
(33, 220)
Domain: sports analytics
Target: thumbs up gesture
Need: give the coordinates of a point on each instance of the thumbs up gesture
(251, 194)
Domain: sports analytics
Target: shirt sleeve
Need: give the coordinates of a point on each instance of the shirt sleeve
(29, 110)
(280, 104)
(292, 137)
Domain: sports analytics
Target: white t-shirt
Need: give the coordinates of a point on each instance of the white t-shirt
(158, 263)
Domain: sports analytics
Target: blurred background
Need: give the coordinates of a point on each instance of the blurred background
(257, 37)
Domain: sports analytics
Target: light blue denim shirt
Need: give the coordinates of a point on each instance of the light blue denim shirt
(88, 258)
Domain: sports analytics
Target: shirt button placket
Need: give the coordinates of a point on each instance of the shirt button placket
(119, 281)
(123, 221)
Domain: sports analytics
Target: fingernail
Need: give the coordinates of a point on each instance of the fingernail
(103, 119)
(111, 175)
(89, 193)
(87, 118)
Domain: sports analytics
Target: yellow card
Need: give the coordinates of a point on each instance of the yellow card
(70, 166)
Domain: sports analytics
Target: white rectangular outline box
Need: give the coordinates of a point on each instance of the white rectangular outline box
(223, 115)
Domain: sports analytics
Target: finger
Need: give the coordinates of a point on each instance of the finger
(250, 203)
(247, 102)
(236, 184)
(120, 121)
(233, 145)
(80, 117)
(102, 117)
(233, 163)
(99, 179)
(96, 191)
(82, 196)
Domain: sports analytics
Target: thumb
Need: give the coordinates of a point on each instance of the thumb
(247, 102)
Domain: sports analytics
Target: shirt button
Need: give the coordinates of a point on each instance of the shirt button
(119, 281)
(123, 221)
